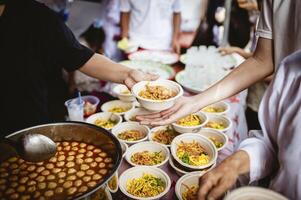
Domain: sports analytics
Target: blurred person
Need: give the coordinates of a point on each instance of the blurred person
(152, 24)
(256, 91)
(273, 152)
(278, 38)
(34, 59)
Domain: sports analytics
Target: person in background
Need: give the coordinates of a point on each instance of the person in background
(256, 91)
(152, 24)
(32, 61)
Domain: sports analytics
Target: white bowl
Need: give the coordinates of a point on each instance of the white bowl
(250, 192)
(220, 105)
(157, 105)
(137, 172)
(220, 119)
(154, 130)
(203, 141)
(119, 91)
(134, 112)
(113, 190)
(104, 116)
(117, 103)
(147, 146)
(191, 129)
(218, 135)
(124, 148)
(190, 179)
(126, 126)
(182, 172)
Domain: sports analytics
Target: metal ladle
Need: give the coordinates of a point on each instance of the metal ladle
(33, 147)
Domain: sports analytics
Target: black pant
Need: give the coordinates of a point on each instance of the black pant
(252, 119)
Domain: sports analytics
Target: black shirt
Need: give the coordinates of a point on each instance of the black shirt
(35, 46)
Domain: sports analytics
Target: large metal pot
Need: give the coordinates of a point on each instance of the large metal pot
(74, 131)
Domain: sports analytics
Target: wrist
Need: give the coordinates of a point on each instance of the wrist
(240, 162)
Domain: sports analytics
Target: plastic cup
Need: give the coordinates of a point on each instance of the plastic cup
(75, 109)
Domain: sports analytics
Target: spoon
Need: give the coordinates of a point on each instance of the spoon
(33, 147)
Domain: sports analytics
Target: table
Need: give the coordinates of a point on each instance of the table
(236, 134)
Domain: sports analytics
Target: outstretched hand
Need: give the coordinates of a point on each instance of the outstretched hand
(135, 76)
(184, 106)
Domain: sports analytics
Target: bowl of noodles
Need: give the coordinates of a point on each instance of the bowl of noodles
(117, 107)
(123, 93)
(219, 139)
(218, 122)
(144, 182)
(131, 132)
(187, 186)
(163, 135)
(219, 108)
(191, 123)
(193, 151)
(105, 120)
(157, 95)
(147, 154)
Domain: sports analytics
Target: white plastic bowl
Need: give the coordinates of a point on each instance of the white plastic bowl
(154, 130)
(124, 148)
(182, 172)
(126, 126)
(191, 129)
(114, 190)
(190, 179)
(218, 135)
(117, 103)
(157, 105)
(134, 112)
(220, 119)
(250, 192)
(147, 146)
(203, 141)
(119, 89)
(104, 116)
(223, 105)
(137, 172)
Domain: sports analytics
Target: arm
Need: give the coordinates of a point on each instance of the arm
(256, 68)
(176, 32)
(102, 68)
(125, 19)
(240, 51)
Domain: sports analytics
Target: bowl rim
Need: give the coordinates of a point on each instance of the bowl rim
(217, 132)
(193, 127)
(117, 187)
(221, 117)
(128, 156)
(130, 142)
(118, 101)
(228, 107)
(101, 113)
(104, 131)
(93, 97)
(182, 179)
(167, 188)
(179, 94)
(210, 163)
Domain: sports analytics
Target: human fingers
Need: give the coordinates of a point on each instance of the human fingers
(220, 189)
(206, 183)
(129, 82)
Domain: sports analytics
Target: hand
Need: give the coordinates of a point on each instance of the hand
(135, 76)
(176, 47)
(215, 183)
(184, 106)
(246, 4)
(228, 50)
